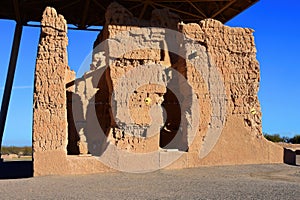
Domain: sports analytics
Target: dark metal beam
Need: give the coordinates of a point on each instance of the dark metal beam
(176, 1)
(176, 10)
(99, 5)
(69, 28)
(31, 10)
(82, 24)
(146, 3)
(198, 9)
(10, 78)
(224, 8)
(17, 11)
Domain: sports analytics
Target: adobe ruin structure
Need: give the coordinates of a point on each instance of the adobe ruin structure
(200, 108)
(159, 93)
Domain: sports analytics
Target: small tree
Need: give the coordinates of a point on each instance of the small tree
(27, 151)
(274, 138)
(295, 139)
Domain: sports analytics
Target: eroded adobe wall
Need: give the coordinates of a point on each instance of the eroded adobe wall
(125, 122)
(220, 65)
(198, 89)
(232, 51)
(116, 14)
(129, 138)
(134, 137)
(217, 61)
(53, 82)
(49, 113)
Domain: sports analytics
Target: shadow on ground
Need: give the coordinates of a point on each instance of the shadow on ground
(16, 169)
(24, 169)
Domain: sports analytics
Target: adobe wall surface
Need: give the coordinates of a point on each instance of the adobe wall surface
(293, 147)
(230, 116)
(50, 133)
(49, 114)
(233, 52)
(153, 98)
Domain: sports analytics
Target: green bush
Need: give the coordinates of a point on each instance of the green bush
(295, 139)
(26, 151)
(274, 138)
(277, 138)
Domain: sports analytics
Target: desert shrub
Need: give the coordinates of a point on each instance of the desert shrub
(26, 151)
(295, 139)
(277, 138)
(274, 138)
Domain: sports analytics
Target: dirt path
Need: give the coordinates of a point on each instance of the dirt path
(229, 182)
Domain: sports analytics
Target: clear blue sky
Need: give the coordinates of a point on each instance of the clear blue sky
(277, 35)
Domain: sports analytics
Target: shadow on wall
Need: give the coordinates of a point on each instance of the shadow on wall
(171, 126)
(16, 169)
(73, 137)
(89, 122)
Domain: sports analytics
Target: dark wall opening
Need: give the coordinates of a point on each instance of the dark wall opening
(102, 102)
(73, 137)
(171, 126)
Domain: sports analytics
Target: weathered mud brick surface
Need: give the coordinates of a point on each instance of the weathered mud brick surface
(50, 121)
(188, 95)
(233, 52)
(50, 113)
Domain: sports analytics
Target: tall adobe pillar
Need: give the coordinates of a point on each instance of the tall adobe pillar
(49, 112)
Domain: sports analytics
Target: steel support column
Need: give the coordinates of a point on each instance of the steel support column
(10, 78)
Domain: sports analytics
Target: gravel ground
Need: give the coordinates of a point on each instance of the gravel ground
(225, 182)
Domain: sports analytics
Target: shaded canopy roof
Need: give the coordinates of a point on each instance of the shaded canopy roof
(86, 13)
